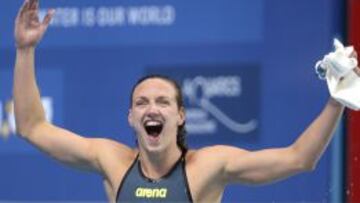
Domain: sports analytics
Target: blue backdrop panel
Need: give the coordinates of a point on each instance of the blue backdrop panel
(112, 23)
(261, 52)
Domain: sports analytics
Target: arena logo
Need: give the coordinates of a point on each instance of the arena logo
(151, 192)
(7, 116)
(203, 115)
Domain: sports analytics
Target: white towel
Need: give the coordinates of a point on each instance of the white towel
(337, 68)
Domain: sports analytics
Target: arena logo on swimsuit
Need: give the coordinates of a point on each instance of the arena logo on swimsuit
(151, 192)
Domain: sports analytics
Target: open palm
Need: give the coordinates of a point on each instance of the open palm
(28, 28)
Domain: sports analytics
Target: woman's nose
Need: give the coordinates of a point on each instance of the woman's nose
(152, 109)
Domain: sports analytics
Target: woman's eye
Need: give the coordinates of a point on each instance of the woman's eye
(164, 102)
(140, 103)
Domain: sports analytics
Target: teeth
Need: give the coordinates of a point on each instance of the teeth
(152, 123)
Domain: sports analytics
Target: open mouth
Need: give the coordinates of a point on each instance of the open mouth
(153, 128)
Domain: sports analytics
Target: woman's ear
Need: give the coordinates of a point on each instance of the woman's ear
(130, 118)
(182, 116)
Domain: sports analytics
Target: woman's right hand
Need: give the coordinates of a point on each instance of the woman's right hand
(28, 28)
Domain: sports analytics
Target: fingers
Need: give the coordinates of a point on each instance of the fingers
(28, 5)
(357, 71)
(24, 7)
(34, 4)
(48, 17)
(353, 54)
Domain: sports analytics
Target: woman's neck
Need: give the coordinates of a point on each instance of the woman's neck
(156, 165)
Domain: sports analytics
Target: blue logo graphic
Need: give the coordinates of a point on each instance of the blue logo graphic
(219, 99)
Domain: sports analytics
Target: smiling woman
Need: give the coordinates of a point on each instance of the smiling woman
(160, 168)
(181, 130)
(155, 104)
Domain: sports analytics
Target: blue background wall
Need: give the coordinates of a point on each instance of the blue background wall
(88, 62)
